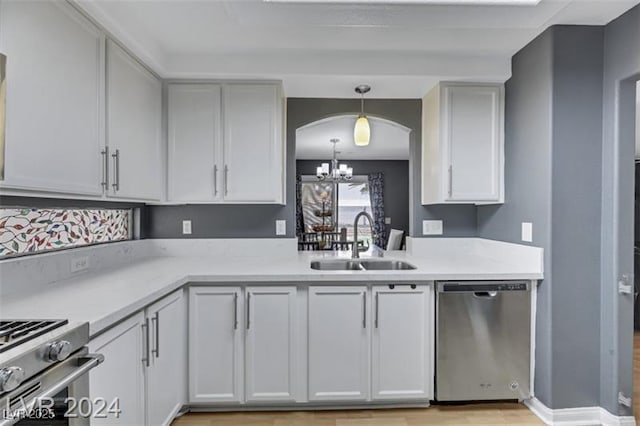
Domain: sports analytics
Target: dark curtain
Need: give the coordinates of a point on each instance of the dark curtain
(299, 217)
(376, 194)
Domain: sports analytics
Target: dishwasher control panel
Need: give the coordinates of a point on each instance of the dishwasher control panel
(485, 286)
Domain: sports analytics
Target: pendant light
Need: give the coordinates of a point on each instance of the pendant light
(362, 131)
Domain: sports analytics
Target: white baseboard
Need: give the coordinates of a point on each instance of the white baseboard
(583, 416)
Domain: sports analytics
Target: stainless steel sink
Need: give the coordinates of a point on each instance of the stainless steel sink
(337, 265)
(361, 265)
(386, 265)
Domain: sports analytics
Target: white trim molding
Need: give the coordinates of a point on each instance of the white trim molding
(582, 416)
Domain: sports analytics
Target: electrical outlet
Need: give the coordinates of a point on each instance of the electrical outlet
(431, 227)
(527, 232)
(186, 227)
(79, 263)
(387, 221)
(281, 227)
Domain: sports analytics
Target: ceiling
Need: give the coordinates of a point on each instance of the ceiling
(326, 49)
(389, 140)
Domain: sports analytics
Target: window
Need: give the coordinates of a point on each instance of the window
(353, 197)
(33, 230)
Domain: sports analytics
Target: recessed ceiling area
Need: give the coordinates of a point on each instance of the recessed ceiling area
(389, 140)
(325, 48)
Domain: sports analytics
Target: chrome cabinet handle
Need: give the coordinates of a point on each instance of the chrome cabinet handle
(105, 168)
(156, 322)
(116, 170)
(226, 179)
(235, 311)
(376, 314)
(450, 180)
(248, 310)
(215, 179)
(364, 309)
(145, 330)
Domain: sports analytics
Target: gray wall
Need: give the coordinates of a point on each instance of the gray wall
(528, 181)
(396, 185)
(459, 221)
(218, 221)
(553, 170)
(621, 70)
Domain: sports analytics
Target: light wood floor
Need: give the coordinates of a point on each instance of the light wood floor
(477, 414)
(636, 376)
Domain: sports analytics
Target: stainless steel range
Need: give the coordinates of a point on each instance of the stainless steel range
(43, 372)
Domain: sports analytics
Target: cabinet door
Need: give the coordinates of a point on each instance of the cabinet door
(195, 143)
(473, 142)
(121, 375)
(338, 344)
(270, 343)
(54, 98)
(166, 378)
(402, 343)
(215, 344)
(134, 113)
(253, 146)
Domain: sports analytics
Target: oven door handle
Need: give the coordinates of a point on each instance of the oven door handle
(87, 362)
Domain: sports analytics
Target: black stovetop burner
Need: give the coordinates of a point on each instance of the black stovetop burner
(15, 332)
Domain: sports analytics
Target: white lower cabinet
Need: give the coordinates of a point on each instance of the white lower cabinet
(339, 331)
(144, 366)
(271, 344)
(215, 344)
(242, 344)
(401, 343)
(166, 377)
(121, 376)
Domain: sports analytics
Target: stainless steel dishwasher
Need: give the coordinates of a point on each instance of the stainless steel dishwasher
(483, 340)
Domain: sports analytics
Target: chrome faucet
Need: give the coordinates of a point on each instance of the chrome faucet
(355, 254)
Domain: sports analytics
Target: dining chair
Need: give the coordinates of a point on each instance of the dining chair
(308, 245)
(308, 237)
(341, 245)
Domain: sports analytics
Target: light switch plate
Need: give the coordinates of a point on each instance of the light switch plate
(431, 227)
(387, 221)
(281, 227)
(527, 232)
(186, 227)
(79, 263)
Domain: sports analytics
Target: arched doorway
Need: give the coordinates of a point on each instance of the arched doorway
(380, 185)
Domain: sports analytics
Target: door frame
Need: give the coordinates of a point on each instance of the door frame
(617, 246)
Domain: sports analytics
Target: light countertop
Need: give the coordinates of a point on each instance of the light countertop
(106, 297)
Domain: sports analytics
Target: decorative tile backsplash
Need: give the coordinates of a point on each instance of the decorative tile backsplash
(25, 231)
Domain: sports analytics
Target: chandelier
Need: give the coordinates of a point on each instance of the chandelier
(333, 172)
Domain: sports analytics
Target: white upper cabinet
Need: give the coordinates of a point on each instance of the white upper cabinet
(463, 144)
(253, 146)
(402, 343)
(195, 142)
(226, 143)
(134, 113)
(54, 100)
